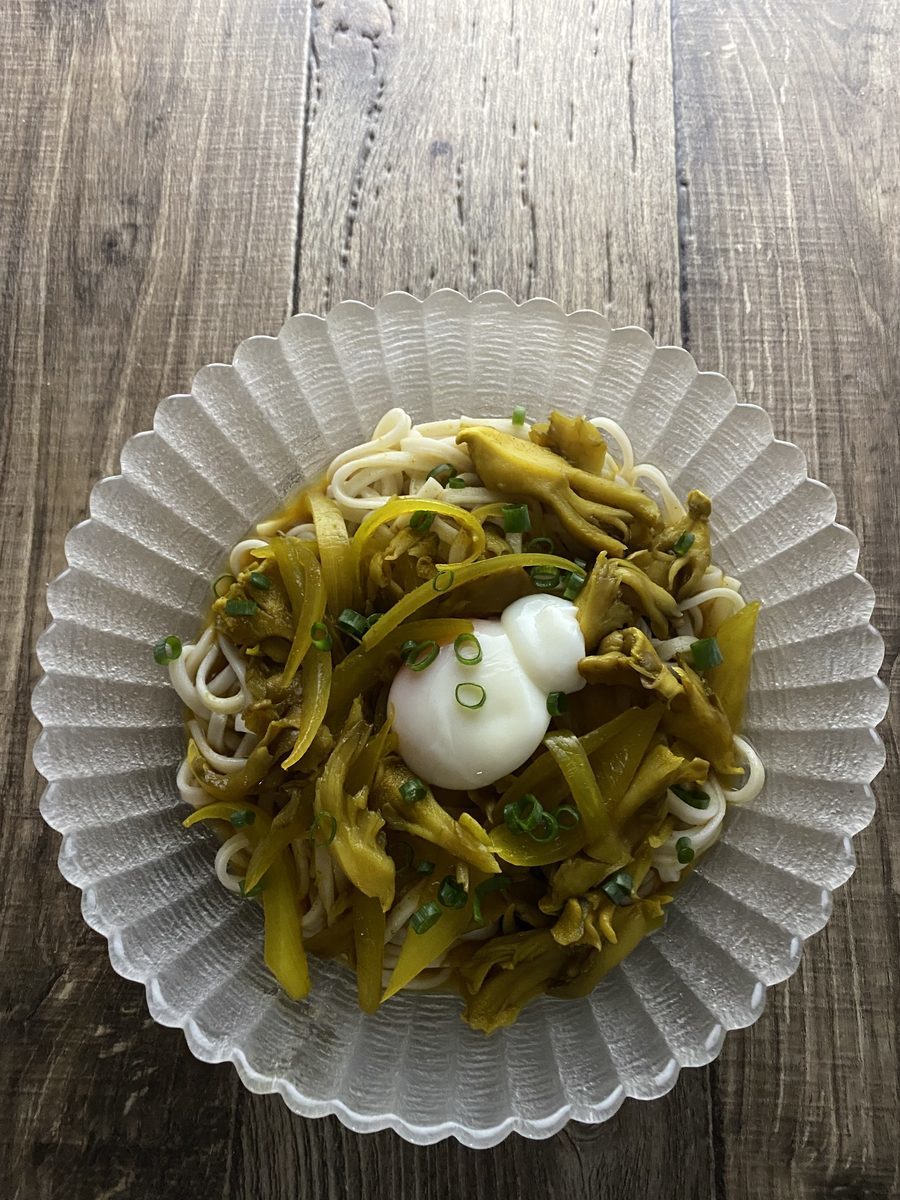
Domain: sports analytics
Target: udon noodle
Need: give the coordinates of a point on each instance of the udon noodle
(544, 879)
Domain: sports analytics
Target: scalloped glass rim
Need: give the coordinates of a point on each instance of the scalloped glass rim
(192, 486)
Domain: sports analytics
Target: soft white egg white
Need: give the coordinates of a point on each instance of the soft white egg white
(534, 649)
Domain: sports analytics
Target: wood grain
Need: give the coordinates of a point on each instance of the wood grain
(151, 158)
(177, 176)
(789, 171)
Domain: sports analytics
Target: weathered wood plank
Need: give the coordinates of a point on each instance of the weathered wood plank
(788, 180)
(149, 185)
(520, 146)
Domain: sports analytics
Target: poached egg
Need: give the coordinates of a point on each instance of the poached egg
(532, 650)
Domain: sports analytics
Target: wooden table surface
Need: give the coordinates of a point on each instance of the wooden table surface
(176, 175)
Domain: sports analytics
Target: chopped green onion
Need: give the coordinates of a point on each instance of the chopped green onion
(456, 482)
(352, 622)
(452, 894)
(407, 648)
(546, 829)
(523, 814)
(684, 851)
(412, 790)
(321, 638)
(167, 650)
(375, 617)
(323, 818)
(618, 888)
(706, 654)
(557, 703)
(574, 584)
(255, 890)
(541, 545)
(683, 544)
(421, 520)
(518, 415)
(421, 656)
(443, 473)
(467, 649)
(219, 587)
(243, 816)
(470, 695)
(692, 796)
(259, 580)
(496, 883)
(579, 562)
(438, 582)
(516, 518)
(545, 578)
(426, 916)
(236, 607)
(425, 867)
(571, 814)
(404, 860)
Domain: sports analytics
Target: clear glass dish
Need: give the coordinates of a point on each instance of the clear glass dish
(140, 567)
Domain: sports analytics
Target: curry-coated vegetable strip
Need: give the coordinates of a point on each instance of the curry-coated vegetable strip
(412, 507)
(355, 845)
(601, 837)
(269, 847)
(316, 689)
(730, 680)
(335, 553)
(283, 938)
(368, 937)
(419, 950)
(236, 785)
(302, 577)
(449, 579)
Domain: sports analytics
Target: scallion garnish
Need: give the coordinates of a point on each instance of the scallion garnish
(695, 797)
(496, 883)
(442, 581)
(421, 520)
(425, 867)
(407, 649)
(167, 650)
(220, 587)
(426, 916)
(259, 580)
(467, 649)
(243, 816)
(684, 851)
(371, 620)
(618, 887)
(456, 482)
(443, 473)
(235, 606)
(545, 578)
(255, 890)
(683, 544)
(546, 829)
(557, 703)
(412, 790)
(516, 518)
(518, 415)
(353, 622)
(541, 545)
(323, 822)
(321, 638)
(452, 894)
(422, 655)
(567, 816)
(470, 695)
(522, 815)
(574, 584)
(706, 654)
